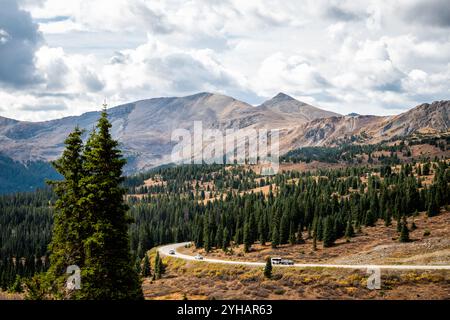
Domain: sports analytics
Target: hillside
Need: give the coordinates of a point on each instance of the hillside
(375, 245)
(425, 118)
(389, 214)
(144, 127)
(16, 176)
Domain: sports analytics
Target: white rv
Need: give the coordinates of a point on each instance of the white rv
(281, 261)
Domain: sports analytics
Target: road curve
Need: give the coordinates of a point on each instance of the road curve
(164, 250)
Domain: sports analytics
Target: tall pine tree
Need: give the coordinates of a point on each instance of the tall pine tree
(69, 227)
(108, 271)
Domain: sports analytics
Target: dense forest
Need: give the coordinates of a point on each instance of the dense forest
(326, 204)
(218, 207)
(25, 231)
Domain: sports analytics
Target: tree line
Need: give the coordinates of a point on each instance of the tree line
(325, 206)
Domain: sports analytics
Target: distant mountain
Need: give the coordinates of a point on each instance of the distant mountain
(144, 127)
(294, 110)
(425, 118)
(16, 176)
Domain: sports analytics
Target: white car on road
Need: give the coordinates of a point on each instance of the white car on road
(198, 257)
(172, 251)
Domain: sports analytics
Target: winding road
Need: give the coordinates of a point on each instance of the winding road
(164, 250)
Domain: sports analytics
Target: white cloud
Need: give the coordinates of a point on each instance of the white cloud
(4, 36)
(346, 56)
(158, 69)
(294, 74)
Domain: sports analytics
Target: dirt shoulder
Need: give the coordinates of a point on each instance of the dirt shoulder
(199, 281)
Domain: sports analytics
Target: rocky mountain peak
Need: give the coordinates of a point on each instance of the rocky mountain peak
(282, 97)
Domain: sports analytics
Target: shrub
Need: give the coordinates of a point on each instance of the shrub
(279, 291)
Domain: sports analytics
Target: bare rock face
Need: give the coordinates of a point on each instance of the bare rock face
(425, 117)
(294, 110)
(144, 128)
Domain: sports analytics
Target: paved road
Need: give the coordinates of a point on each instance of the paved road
(164, 250)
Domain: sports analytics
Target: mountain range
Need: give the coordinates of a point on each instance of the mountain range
(144, 127)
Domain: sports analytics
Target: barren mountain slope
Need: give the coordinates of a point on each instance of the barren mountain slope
(145, 127)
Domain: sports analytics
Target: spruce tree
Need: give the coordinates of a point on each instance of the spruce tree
(349, 231)
(268, 268)
(292, 234)
(328, 233)
(387, 218)
(207, 234)
(70, 222)
(275, 241)
(433, 205)
(370, 218)
(284, 229)
(146, 268)
(299, 238)
(159, 267)
(137, 266)
(157, 273)
(226, 239)
(108, 271)
(262, 227)
(404, 234)
(247, 241)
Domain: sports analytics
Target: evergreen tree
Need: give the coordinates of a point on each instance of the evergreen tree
(349, 231)
(275, 232)
(314, 242)
(370, 218)
(159, 267)
(207, 235)
(70, 221)
(399, 224)
(226, 239)
(299, 238)
(328, 233)
(433, 205)
(262, 229)
(247, 241)
(146, 268)
(388, 218)
(404, 234)
(162, 267)
(292, 234)
(108, 271)
(284, 229)
(137, 266)
(268, 268)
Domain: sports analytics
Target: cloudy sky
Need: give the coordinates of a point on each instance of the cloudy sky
(60, 58)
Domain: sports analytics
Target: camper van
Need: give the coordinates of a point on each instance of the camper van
(276, 260)
(281, 261)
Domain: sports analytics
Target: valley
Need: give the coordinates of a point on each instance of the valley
(346, 198)
(242, 151)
